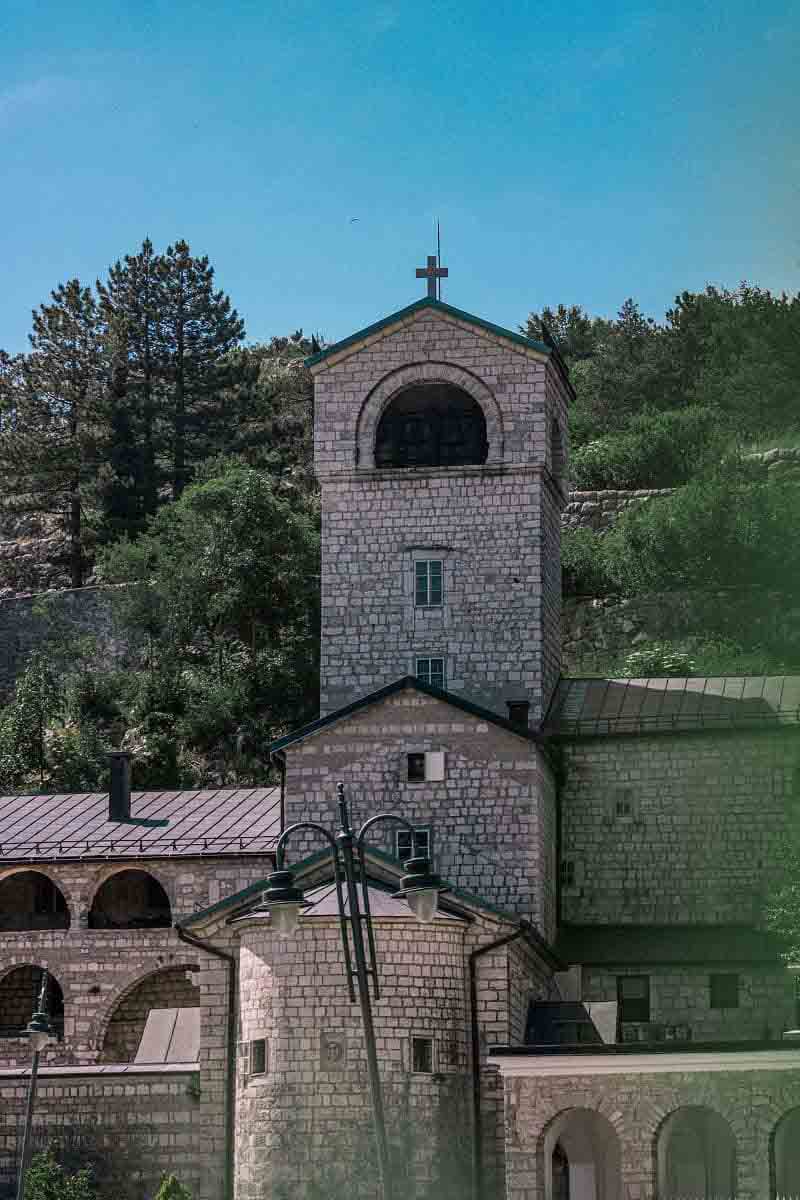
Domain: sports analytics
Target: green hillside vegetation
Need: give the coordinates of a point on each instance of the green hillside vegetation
(178, 460)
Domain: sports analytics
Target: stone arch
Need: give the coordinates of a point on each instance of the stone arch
(784, 1152)
(582, 1156)
(426, 373)
(31, 898)
(130, 898)
(161, 984)
(695, 1154)
(20, 984)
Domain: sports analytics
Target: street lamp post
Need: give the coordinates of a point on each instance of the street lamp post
(39, 1034)
(419, 886)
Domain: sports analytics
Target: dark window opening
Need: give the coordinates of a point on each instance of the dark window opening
(428, 583)
(431, 425)
(633, 996)
(30, 900)
(19, 999)
(422, 1055)
(567, 871)
(421, 847)
(518, 711)
(258, 1056)
(724, 991)
(131, 900)
(416, 768)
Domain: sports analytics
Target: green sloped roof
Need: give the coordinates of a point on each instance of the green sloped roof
(418, 306)
(663, 945)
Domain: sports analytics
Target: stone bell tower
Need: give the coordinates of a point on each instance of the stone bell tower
(440, 450)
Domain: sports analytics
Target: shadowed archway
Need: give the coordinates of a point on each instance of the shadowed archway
(431, 425)
(30, 900)
(582, 1157)
(696, 1153)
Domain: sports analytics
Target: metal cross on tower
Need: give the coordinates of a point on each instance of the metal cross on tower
(432, 273)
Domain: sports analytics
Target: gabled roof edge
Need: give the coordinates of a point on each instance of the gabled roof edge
(417, 306)
(390, 689)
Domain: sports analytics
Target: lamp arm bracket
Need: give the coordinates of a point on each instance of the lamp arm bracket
(382, 817)
(280, 848)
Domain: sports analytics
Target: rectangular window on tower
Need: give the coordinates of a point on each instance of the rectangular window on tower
(428, 583)
(421, 847)
(431, 670)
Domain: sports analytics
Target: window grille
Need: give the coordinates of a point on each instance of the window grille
(724, 991)
(421, 847)
(431, 670)
(633, 996)
(422, 1055)
(258, 1056)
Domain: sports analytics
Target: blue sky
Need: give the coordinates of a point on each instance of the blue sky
(577, 153)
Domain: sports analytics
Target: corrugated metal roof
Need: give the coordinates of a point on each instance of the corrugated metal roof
(76, 825)
(322, 902)
(593, 707)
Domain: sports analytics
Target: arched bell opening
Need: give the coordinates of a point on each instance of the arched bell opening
(431, 425)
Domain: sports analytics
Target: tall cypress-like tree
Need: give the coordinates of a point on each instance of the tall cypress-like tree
(198, 330)
(53, 398)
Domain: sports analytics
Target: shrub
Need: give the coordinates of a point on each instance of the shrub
(46, 1179)
(171, 1189)
(658, 449)
(657, 659)
(583, 564)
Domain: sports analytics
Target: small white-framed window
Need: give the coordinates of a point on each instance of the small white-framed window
(431, 671)
(258, 1058)
(428, 583)
(421, 847)
(425, 766)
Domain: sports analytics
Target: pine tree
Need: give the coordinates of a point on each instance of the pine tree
(131, 304)
(198, 330)
(52, 400)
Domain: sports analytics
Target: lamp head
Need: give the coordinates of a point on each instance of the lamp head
(40, 1031)
(421, 887)
(284, 901)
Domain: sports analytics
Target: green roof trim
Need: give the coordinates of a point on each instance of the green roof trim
(418, 306)
(390, 689)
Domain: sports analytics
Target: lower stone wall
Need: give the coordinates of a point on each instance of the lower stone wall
(139, 1123)
(633, 1108)
(599, 510)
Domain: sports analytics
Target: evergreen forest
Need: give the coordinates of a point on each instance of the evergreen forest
(174, 460)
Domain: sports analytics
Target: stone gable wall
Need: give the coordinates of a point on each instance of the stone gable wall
(708, 813)
(490, 818)
(491, 525)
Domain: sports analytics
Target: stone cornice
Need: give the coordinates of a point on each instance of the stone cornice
(654, 1062)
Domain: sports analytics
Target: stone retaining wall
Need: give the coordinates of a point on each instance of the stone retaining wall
(599, 510)
(145, 1122)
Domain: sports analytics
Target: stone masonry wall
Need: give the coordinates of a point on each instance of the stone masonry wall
(144, 1124)
(489, 524)
(706, 816)
(599, 510)
(682, 996)
(491, 818)
(635, 1106)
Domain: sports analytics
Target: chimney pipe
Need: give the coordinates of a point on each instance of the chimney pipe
(119, 792)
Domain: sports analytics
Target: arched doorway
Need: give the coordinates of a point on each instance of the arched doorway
(431, 425)
(168, 989)
(30, 900)
(582, 1157)
(130, 900)
(19, 996)
(696, 1155)
(786, 1154)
